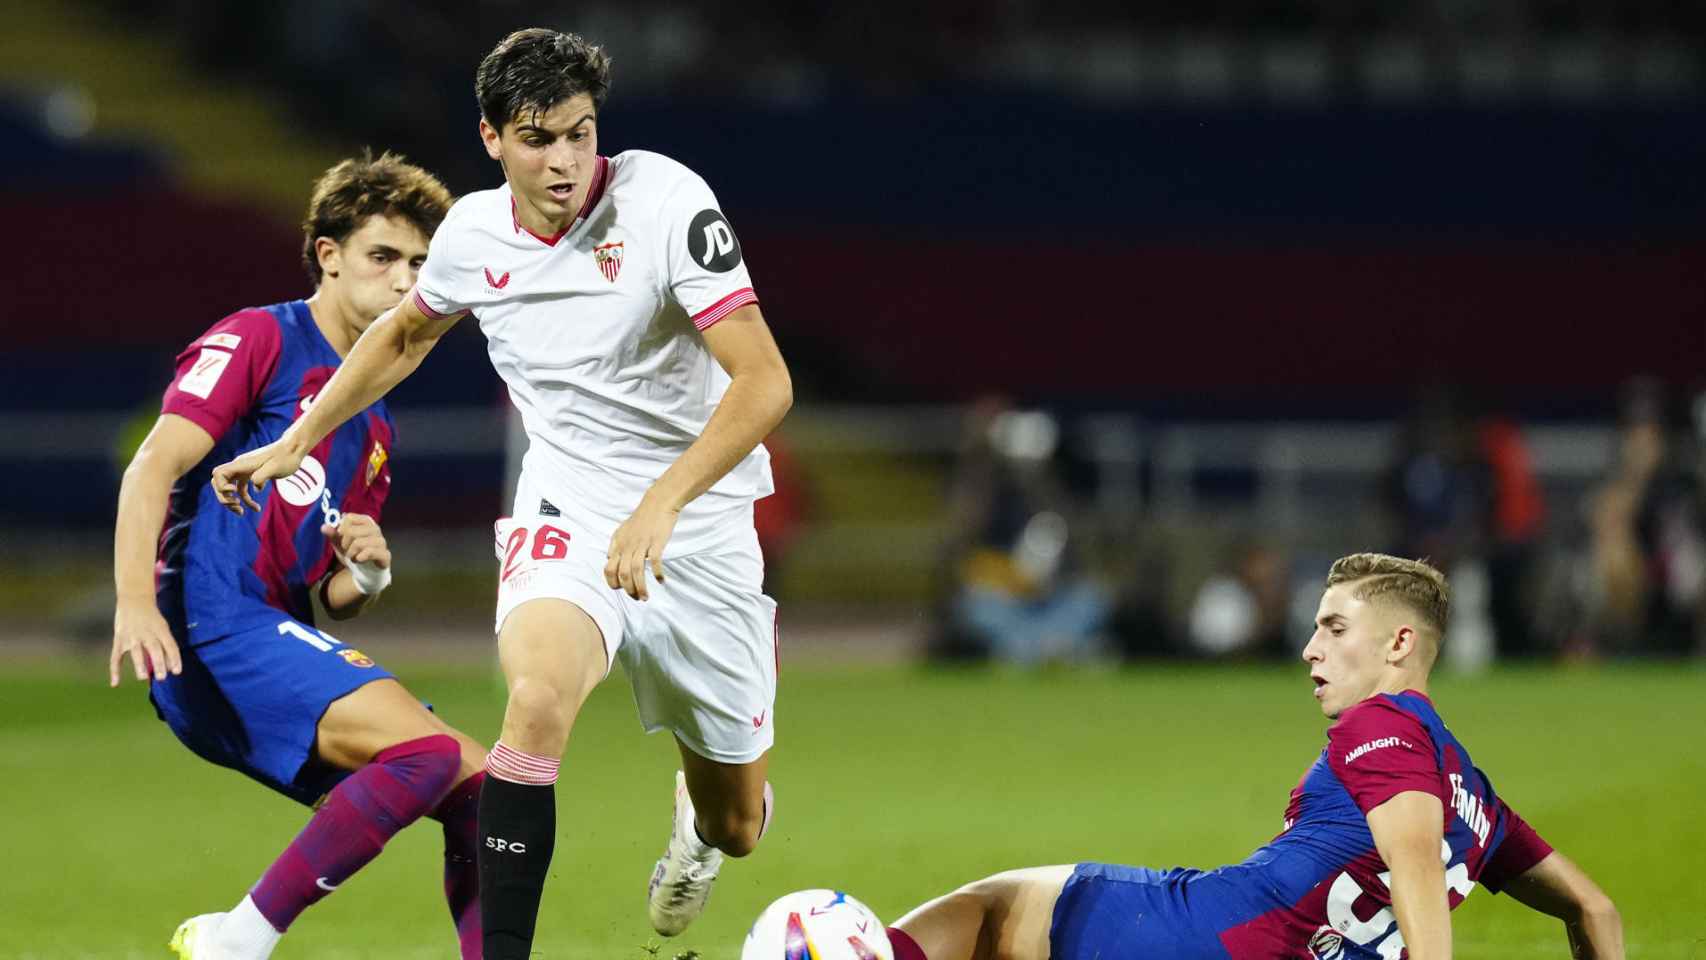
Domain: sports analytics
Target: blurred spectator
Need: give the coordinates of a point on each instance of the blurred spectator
(1140, 625)
(1464, 496)
(1014, 586)
(1437, 487)
(1640, 579)
(1515, 521)
(1241, 612)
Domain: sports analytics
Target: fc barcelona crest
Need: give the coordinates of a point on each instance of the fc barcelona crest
(609, 257)
(375, 461)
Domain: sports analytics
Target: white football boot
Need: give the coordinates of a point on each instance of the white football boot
(681, 882)
(194, 938)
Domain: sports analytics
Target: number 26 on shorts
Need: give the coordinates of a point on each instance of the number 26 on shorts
(549, 543)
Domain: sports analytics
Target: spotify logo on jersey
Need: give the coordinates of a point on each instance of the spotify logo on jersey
(712, 243)
(303, 487)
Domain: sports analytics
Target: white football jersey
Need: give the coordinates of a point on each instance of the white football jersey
(597, 333)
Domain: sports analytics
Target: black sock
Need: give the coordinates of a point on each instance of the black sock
(518, 832)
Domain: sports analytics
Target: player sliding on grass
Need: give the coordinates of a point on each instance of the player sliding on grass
(217, 609)
(1389, 829)
(617, 308)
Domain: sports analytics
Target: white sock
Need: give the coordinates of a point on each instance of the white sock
(246, 935)
(697, 848)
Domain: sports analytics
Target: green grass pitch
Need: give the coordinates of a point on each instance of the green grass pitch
(895, 784)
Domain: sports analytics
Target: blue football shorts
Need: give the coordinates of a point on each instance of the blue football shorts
(1134, 913)
(252, 700)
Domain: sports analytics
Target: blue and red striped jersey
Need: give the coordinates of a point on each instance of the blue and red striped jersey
(1320, 888)
(245, 381)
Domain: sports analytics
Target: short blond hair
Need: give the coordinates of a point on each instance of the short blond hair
(1413, 583)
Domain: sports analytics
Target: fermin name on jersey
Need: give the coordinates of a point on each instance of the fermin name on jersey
(1470, 810)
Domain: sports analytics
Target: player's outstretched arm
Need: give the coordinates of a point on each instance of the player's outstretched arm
(1408, 830)
(386, 352)
(139, 632)
(759, 395)
(1559, 888)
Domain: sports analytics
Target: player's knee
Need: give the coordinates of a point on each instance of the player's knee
(538, 709)
(473, 759)
(443, 759)
(432, 763)
(734, 833)
(975, 911)
(994, 895)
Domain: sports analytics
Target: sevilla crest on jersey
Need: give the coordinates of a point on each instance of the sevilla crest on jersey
(609, 257)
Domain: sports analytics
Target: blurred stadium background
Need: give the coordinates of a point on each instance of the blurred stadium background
(1111, 326)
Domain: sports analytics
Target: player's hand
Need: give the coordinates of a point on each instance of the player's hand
(233, 481)
(358, 539)
(140, 633)
(639, 540)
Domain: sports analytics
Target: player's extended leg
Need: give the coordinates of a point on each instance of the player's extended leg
(702, 656)
(553, 655)
(407, 764)
(382, 715)
(1004, 917)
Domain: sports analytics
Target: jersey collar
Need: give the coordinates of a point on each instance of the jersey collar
(600, 177)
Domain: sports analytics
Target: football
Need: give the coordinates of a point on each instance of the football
(817, 925)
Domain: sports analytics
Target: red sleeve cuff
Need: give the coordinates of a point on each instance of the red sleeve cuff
(421, 305)
(708, 317)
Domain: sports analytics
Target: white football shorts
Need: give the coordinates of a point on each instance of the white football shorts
(701, 653)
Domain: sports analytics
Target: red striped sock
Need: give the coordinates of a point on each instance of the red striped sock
(507, 763)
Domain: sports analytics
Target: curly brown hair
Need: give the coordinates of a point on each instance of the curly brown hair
(361, 187)
(1413, 583)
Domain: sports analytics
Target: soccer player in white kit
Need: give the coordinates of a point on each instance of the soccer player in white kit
(619, 311)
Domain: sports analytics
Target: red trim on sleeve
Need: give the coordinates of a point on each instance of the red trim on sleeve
(708, 317)
(421, 305)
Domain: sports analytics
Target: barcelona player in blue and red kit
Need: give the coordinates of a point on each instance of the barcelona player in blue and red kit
(216, 610)
(1388, 830)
